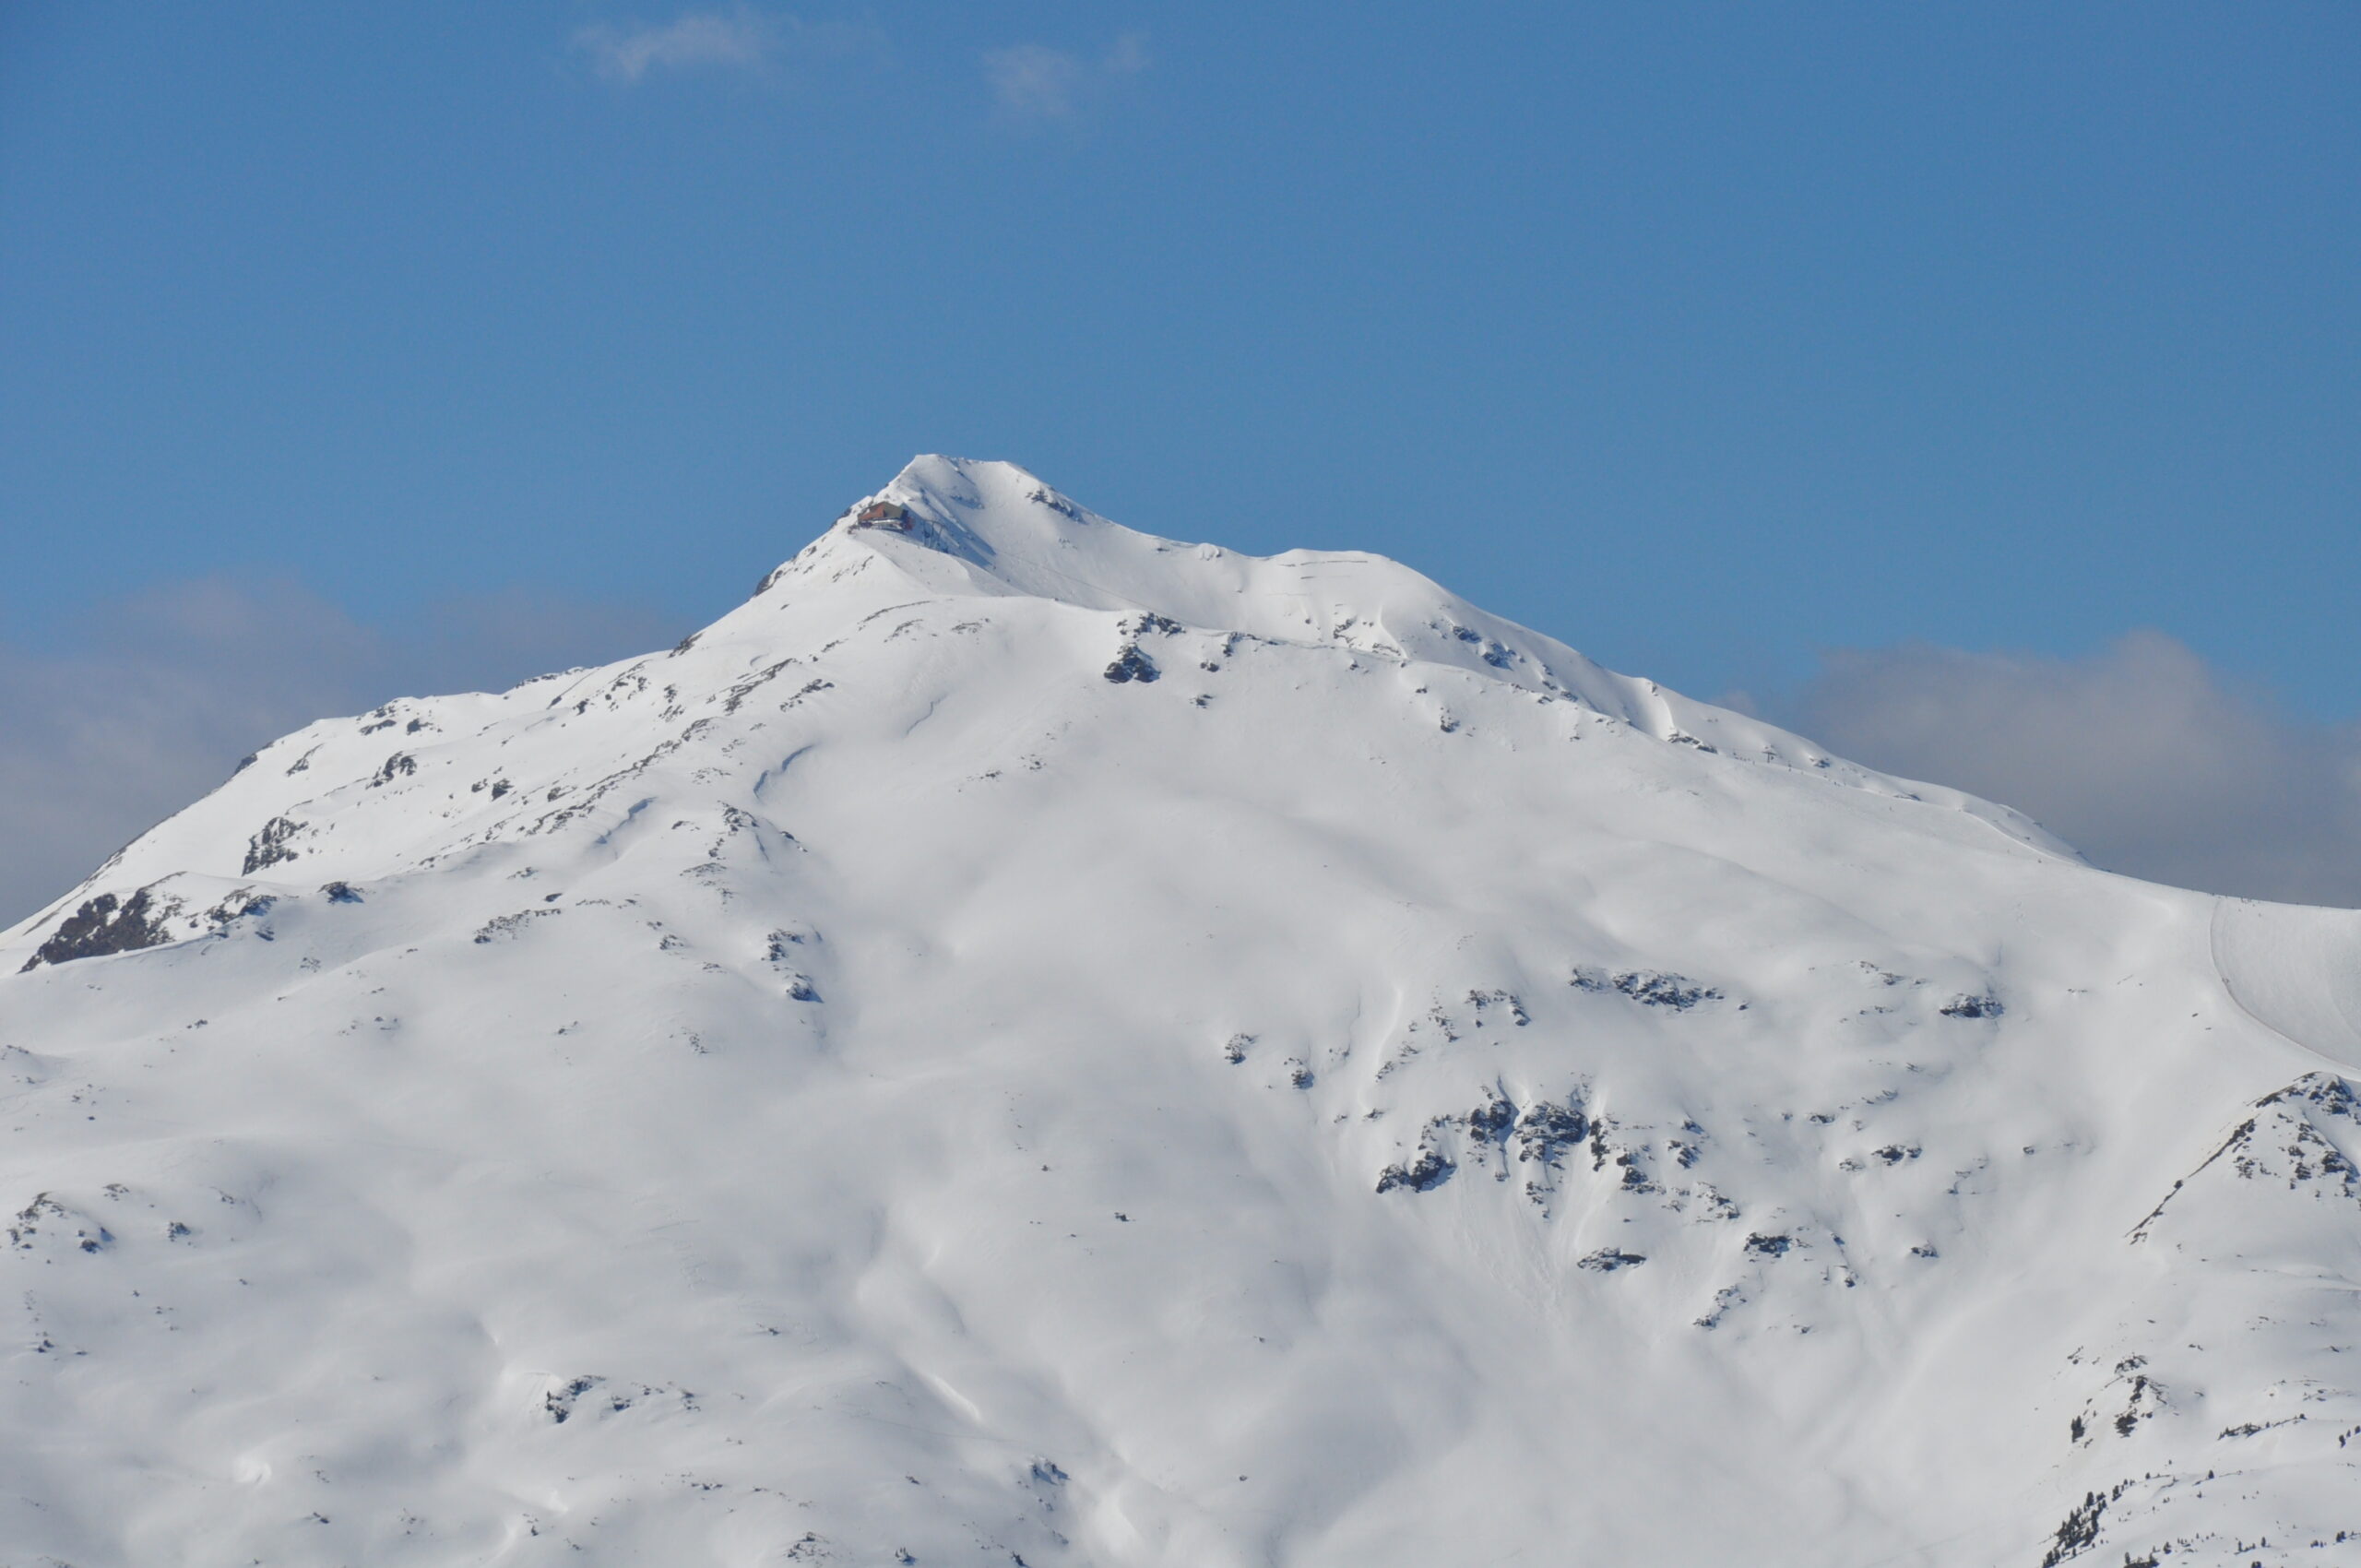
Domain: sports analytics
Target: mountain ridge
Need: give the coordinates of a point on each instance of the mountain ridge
(1000, 551)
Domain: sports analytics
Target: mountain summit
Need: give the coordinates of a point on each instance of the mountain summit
(1026, 1042)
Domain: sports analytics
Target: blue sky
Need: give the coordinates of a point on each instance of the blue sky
(1709, 337)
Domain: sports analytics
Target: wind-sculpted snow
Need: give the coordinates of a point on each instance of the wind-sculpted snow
(1029, 1043)
(2294, 970)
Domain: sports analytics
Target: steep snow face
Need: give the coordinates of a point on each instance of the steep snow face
(1026, 1042)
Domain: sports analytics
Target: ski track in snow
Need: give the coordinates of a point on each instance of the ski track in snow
(1030, 1043)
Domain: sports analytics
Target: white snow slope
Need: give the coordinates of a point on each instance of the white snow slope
(1029, 1044)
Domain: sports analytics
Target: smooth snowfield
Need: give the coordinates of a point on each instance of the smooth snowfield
(1026, 1042)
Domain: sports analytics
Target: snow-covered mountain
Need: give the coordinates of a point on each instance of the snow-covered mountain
(1027, 1043)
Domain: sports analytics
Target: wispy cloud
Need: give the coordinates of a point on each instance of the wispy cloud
(743, 40)
(2141, 755)
(1032, 81)
(154, 699)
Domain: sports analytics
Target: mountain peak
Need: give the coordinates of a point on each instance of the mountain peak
(1013, 533)
(962, 526)
(973, 483)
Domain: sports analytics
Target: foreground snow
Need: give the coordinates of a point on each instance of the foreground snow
(1030, 1043)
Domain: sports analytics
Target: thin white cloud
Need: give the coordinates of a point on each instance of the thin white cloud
(1032, 81)
(154, 699)
(2140, 755)
(743, 39)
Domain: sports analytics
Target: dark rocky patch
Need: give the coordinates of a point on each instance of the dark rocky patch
(507, 925)
(1131, 664)
(1689, 1147)
(1649, 988)
(2146, 1397)
(1724, 1299)
(1055, 503)
(2323, 1091)
(30, 1217)
(89, 1235)
(559, 1402)
(1633, 1162)
(1500, 655)
(1488, 1123)
(1545, 1132)
(1481, 1000)
(237, 907)
(1985, 1006)
(270, 846)
(1423, 1174)
(105, 925)
(1606, 1260)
